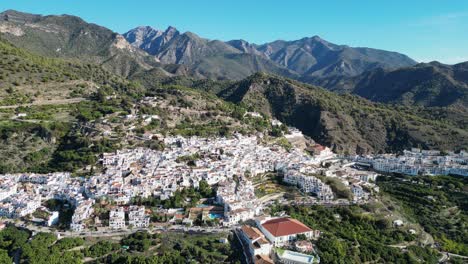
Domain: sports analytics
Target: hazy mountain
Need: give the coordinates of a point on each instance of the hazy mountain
(71, 37)
(348, 123)
(149, 39)
(171, 46)
(425, 84)
(317, 57)
(203, 58)
(301, 58)
(245, 47)
(369, 73)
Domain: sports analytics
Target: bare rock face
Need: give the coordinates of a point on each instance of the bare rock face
(11, 29)
(303, 59)
(149, 39)
(306, 57)
(18, 17)
(121, 43)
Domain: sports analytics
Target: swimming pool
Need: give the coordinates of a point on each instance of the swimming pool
(215, 216)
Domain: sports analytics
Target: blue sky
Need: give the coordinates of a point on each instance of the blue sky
(425, 30)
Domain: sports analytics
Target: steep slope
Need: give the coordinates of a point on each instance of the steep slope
(26, 77)
(425, 84)
(307, 57)
(317, 57)
(236, 67)
(202, 58)
(74, 111)
(347, 123)
(71, 37)
(47, 91)
(173, 47)
(149, 39)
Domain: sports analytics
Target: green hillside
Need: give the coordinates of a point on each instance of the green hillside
(71, 37)
(348, 123)
(55, 113)
(26, 77)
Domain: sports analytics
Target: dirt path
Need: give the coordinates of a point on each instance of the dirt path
(47, 102)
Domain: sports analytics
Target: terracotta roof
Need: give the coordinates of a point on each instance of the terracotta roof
(285, 226)
(251, 232)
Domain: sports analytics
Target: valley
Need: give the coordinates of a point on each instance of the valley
(162, 146)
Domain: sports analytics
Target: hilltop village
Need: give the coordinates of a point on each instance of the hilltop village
(139, 188)
(186, 162)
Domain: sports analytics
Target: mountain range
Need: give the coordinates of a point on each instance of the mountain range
(307, 57)
(177, 53)
(377, 101)
(349, 124)
(425, 84)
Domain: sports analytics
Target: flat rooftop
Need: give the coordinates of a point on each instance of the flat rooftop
(296, 256)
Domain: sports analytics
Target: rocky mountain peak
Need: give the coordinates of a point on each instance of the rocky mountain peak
(170, 33)
(244, 46)
(18, 17)
(171, 29)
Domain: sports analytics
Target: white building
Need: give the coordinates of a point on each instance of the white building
(7, 189)
(256, 241)
(82, 212)
(309, 184)
(284, 230)
(358, 192)
(117, 218)
(239, 215)
(137, 217)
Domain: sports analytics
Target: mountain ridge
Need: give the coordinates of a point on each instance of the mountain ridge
(427, 84)
(69, 36)
(347, 123)
(144, 48)
(309, 56)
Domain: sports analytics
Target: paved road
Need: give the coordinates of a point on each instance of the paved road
(109, 232)
(454, 255)
(444, 258)
(245, 251)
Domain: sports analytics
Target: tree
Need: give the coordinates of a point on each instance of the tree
(4, 258)
(205, 189)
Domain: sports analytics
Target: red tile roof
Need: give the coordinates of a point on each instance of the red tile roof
(285, 226)
(251, 232)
